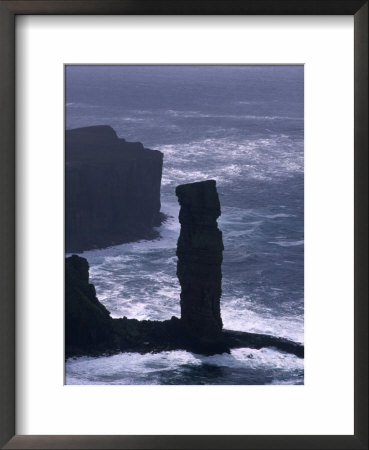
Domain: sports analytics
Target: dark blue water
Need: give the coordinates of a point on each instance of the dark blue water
(244, 127)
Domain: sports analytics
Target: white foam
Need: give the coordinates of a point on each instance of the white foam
(225, 159)
(287, 243)
(280, 215)
(186, 114)
(134, 368)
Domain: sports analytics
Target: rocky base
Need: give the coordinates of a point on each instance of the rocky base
(239, 339)
(146, 336)
(110, 240)
(90, 330)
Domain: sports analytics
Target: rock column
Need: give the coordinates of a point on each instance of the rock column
(199, 252)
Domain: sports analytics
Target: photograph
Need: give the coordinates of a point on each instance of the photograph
(195, 176)
(184, 224)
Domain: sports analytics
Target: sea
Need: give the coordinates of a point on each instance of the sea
(243, 126)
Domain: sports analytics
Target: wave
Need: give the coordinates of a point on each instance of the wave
(287, 243)
(198, 114)
(241, 366)
(279, 215)
(229, 161)
(82, 105)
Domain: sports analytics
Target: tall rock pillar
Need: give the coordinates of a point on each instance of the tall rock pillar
(199, 252)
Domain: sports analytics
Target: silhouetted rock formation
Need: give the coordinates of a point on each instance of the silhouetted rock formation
(88, 324)
(89, 329)
(112, 189)
(199, 252)
(240, 339)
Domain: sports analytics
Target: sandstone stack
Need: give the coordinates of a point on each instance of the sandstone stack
(199, 252)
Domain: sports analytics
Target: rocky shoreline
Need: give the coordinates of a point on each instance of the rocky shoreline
(90, 330)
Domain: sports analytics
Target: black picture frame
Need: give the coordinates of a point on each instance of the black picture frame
(8, 11)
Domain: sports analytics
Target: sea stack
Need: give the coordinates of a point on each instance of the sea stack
(199, 252)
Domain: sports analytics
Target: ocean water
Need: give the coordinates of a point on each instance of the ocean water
(244, 127)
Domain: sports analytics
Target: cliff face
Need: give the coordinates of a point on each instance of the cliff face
(88, 324)
(90, 330)
(199, 252)
(112, 189)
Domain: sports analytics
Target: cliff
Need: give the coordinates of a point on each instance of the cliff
(88, 324)
(112, 189)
